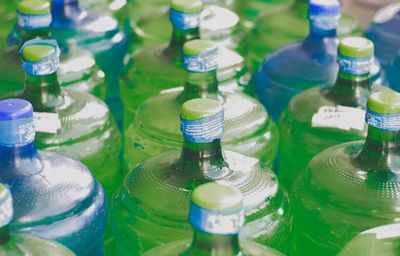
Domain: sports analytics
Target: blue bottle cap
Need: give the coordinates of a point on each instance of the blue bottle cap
(324, 7)
(6, 206)
(16, 123)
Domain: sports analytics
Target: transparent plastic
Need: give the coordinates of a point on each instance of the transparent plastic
(284, 27)
(152, 206)
(179, 247)
(345, 190)
(54, 197)
(248, 128)
(383, 240)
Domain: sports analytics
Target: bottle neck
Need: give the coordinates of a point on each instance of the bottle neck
(4, 235)
(381, 150)
(318, 33)
(204, 160)
(351, 90)
(27, 35)
(216, 245)
(19, 158)
(200, 85)
(178, 39)
(43, 92)
(62, 8)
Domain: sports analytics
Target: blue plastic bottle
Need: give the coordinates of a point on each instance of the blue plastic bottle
(54, 197)
(299, 66)
(97, 32)
(385, 33)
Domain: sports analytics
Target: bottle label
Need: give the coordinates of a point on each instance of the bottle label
(216, 222)
(385, 232)
(388, 122)
(339, 117)
(32, 22)
(204, 130)
(46, 66)
(184, 21)
(355, 66)
(18, 132)
(202, 63)
(46, 122)
(324, 22)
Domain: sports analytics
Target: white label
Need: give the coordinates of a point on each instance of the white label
(340, 117)
(385, 232)
(46, 122)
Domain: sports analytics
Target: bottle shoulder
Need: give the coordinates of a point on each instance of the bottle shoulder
(163, 187)
(61, 188)
(343, 183)
(23, 244)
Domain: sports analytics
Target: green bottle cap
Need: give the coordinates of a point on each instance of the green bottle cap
(356, 47)
(37, 52)
(34, 7)
(200, 108)
(197, 47)
(385, 102)
(217, 197)
(187, 6)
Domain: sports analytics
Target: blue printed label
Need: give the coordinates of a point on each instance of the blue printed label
(202, 63)
(32, 22)
(204, 130)
(18, 132)
(355, 66)
(46, 66)
(388, 122)
(325, 23)
(184, 21)
(216, 222)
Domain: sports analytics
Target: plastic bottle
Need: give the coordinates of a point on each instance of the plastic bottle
(322, 117)
(352, 187)
(55, 197)
(216, 215)
(248, 128)
(151, 208)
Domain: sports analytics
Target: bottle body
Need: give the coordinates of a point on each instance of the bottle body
(56, 198)
(162, 191)
(307, 127)
(23, 244)
(338, 196)
(248, 128)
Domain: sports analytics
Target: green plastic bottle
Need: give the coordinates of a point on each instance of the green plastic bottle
(71, 123)
(77, 70)
(216, 216)
(383, 241)
(281, 28)
(19, 244)
(159, 67)
(151, 207)
(351, 187)
(323, 117)
(248, 128)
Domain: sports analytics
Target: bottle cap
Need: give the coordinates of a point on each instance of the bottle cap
(200, 56)
(356, 47)
(6, 206)
(217, 209)
(384, 110)
(202, 120)
(324, 7)
(16, 123)
(34, 7)
(356, 55)
(187, 6)
(14, 109)
(40, 57)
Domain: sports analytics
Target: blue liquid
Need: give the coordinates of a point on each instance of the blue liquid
(55, 198)
(295, 68)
